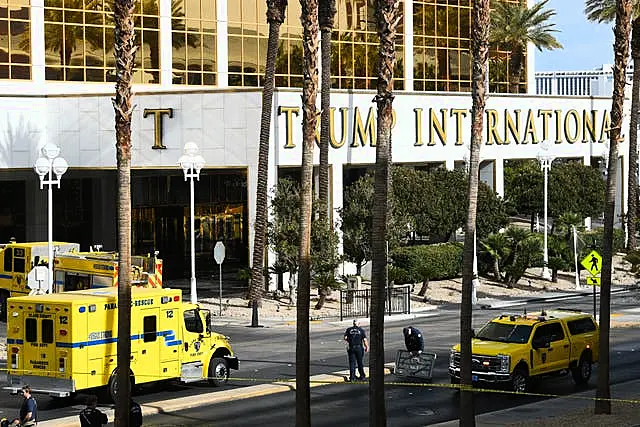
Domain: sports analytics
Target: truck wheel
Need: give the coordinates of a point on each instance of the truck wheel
(582, 372)
(218, 371)
(519, 381)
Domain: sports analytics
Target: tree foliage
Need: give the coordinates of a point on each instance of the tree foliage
(284, 238)
(575, 188)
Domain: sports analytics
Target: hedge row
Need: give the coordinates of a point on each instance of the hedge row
(412, 264)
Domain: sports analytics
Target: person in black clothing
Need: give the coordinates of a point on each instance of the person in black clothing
(28, 410)
(356, 339)
(413, 340)
(135, 414)
(92, 416)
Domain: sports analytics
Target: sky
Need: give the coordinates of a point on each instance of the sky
(587, 45)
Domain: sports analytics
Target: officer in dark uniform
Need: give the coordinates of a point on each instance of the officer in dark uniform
(356, 339)
(413, 339)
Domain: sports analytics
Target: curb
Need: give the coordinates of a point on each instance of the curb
(188, 402)
(561, 297)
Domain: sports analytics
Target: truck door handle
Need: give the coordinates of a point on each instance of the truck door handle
(550, 349)
(566, 346)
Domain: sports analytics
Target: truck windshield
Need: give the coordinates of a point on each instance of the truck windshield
(502, 332)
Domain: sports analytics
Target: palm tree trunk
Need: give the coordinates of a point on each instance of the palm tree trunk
(326, 15)
(515, 69)
(275, 17)
(632, 190)
(309, 18)
(480, 53)
(621, 52)
(388, 17)
(125, 50)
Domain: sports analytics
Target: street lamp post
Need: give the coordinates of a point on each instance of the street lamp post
(466, 158)
(49, 162)
(191, 163)
(545, 157)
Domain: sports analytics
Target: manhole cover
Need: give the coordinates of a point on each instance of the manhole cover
(424, 412)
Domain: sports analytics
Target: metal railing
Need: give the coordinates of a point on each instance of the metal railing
(356, 303)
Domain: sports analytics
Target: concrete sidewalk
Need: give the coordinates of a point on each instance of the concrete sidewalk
(173, 405)
(553, 411)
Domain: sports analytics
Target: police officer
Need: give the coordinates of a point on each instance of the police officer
(356, 339)
(413, 339)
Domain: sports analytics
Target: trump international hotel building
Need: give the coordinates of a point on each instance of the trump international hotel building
(198, 76)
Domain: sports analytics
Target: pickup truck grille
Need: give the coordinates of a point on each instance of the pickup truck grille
(478, 363)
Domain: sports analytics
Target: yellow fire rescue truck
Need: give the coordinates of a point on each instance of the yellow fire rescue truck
(73, 270)
(17, 260)
(63, 343)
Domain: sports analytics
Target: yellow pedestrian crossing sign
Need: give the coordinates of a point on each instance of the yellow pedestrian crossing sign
(593, 281)
(592, 263)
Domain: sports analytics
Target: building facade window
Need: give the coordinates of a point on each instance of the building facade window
(248, 36)
(79, 41)
(354, 54)
(193, 39)
(442, 49)
(15, 40)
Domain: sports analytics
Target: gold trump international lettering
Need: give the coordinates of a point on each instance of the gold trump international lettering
(447, 125)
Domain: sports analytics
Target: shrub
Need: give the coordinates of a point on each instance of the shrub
(593, 240)
(427, 262)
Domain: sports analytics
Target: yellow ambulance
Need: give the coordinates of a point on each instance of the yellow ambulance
(63, 343)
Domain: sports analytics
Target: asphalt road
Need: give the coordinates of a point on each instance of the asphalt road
(269, 353)
(411, 404)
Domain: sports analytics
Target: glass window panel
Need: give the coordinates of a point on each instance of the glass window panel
(282, 60)
(194, 78)
(192, 9)
(209, 79)
(149, 7)
(178, 78)
(295, 57)
(208, 8)
(452, 24)
(234, 11)
(209, 26)
(53, 73)
(282, 81)
(74, 74)
(4, 71)
(22, 73)
(208, 45)
(73, 16)
(150, 22)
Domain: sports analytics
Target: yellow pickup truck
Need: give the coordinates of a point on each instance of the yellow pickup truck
(513, 348)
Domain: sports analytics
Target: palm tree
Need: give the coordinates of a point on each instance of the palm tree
(605, 11)
(514, 25)
(275, 17)
(621, 54)
(125, 50)
(387, 17)
(326, 16)
(480, 54)
(309, 19)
